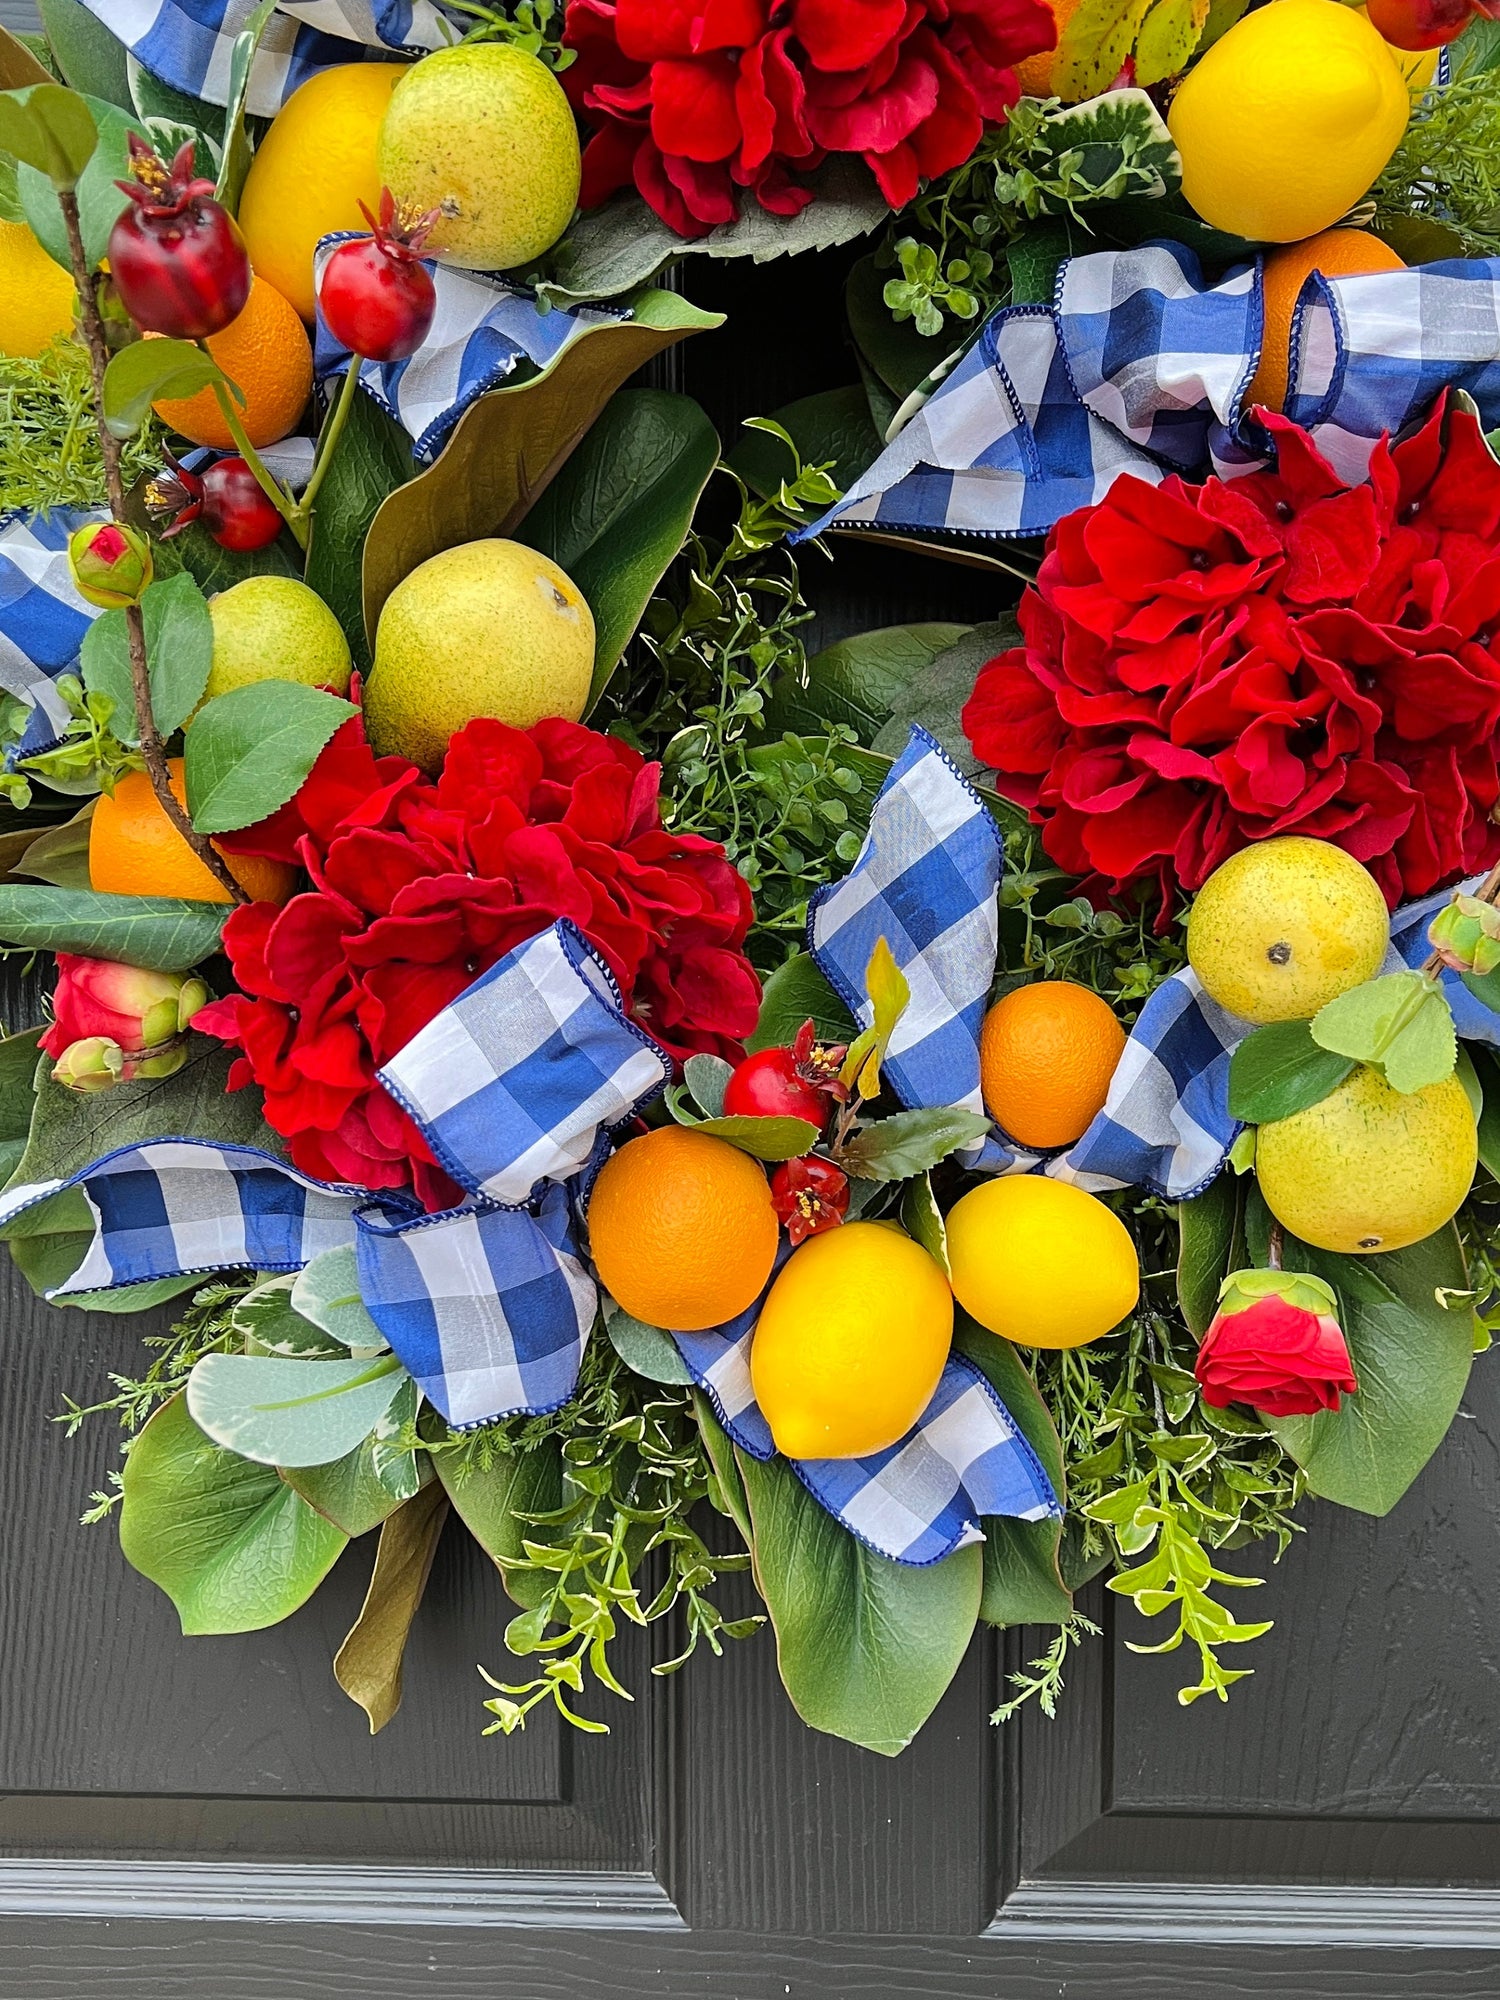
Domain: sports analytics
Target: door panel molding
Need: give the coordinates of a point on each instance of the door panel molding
(1236, 1914)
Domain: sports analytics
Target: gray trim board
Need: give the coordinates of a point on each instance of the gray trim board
(1223, 1914)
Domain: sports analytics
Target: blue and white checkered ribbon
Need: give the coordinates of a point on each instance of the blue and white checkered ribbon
(1140, 366)
(482, 332)
(42, 618)
(927, 884)
(187, 43)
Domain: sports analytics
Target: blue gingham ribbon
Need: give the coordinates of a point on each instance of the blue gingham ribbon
(482, 332)
(1165, 1124)
(42, 618)
(187, 43)
(1140, 366)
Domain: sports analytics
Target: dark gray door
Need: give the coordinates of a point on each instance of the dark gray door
(208, 1819)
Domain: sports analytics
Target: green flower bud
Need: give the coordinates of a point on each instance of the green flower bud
(111, 564)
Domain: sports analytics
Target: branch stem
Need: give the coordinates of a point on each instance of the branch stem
(332, 432)
(140, 673)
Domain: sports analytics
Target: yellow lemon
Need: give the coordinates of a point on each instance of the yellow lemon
(36, 295)
(1040, 1262)
(1370, 1168)
(1418, 66)
(850, 1342)
(311, 172)
(1288, 120)
(1285, 925)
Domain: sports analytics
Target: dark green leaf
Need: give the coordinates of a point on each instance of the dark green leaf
(910, 1142)
(832, 429)
(764, 1138)
(731, 1498)
(177, 115)
(147, 370)
(60, 855)
(798, 992)
(612, 249)
(1487, 1071)
(493, 1506)
(159, 933)
(1206, 1231)
(617, 514)
(179, 653)
(1485, 986)
(249, 750)
(934, 700)
(510, 444)
(1280, 1069)
(368, 1664)
(922, 1220)
(1023, 1584)
(1411, 1358)
(372, 458)
(229, 1542)
(235, 162)
(857, 681)
(89, 56)
(1033, 261)
(196, 553)
(50, 129)
(866, 1646)
(646, 1349)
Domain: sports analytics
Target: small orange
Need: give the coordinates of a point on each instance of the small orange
(134, 850)
(1046, 1054)
(1035, 73)
(265, 353)
(1337, 253)
(682, 1229)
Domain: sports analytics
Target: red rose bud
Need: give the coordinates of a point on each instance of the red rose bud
(131, 1009)
(1276, 1344)
(97, 1063)
(809, 1196)
(111, 564)
(177, 257)
(1466, 935)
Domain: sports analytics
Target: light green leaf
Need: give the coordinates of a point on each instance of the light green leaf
(89, 56)
(158, 933)
(371, 459)
(249, 751)
(282, 1412)
(1401, 1023)
(857, 681)
(1023, 1582)
(707, 1077)
(796, 992)
(364, 1488)
(326, 1292)
(235, 163)
(228, 1541)
(99, 200)
(368, 1664)
(617, 514)
(763, 1138)
(866, 1646)
(646, 1350)
(179, 653)
(1278, 1070)
(147, 370)
(50, 129)
(910, 1142)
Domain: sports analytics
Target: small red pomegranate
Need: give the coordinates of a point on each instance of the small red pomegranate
(1420, 24)
(226, 497)
(767, 1085)
(376, 296)
(176, 255)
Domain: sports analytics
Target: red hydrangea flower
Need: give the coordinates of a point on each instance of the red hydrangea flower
(418, 887)
(1205, 666)
(694, 100)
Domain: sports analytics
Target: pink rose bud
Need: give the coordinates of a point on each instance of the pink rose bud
(97, 1063)
(124, 1004)
(111, 564)
(1276, 1344)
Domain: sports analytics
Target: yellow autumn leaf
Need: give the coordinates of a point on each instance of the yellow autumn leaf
(1098, 37)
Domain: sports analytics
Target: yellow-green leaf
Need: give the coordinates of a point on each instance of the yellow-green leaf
(1098, 37)
(1168, 36)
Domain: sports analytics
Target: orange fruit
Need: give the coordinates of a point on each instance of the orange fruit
(134, 850)
(682, 1229)
(1046, 1054)
(266, 353)
(1035, 73)
(1337, 253)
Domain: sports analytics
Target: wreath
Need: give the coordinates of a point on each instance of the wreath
(925, 1122)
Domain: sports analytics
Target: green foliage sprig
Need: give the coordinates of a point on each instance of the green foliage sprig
(533, 26)
(1115, 950)
(1446, 169)
(49, 443)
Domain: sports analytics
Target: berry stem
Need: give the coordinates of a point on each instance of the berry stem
(332, 431)
(140, 673)
(272, 488)
(1274, 1247)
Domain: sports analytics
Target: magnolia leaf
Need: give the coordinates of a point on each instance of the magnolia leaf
(496, 1504)
(227, 1540)
(250, 750)
(157, 933)
(1168, 36)
(326, 1292)
(796, 992)
(1401, 1023)
(1094, 43)
(646, 1350)
(617, 514)
(707, 1077)
(611, 249)
(935, 700)
(866, 1646)
(1280, 1069)
(1206, 1229)
(235, 161)
(511, 443)
(368, 1664)
(922, 1219)
(857, 681)
(50, 129)
(366, 1486)
(179, 653)
(145, 371)
(911, 1142)
(1023, 1583)
(282, 1412)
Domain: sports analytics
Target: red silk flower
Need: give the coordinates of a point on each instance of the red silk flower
(695, 100)
(1205, 666)
(417, 888)
(1276, 1343)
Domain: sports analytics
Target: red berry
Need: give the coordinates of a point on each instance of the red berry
(177, 258)
(767, 1086)
(235, 511)
(1419, 24)
(376, 297)
(809, 1196)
